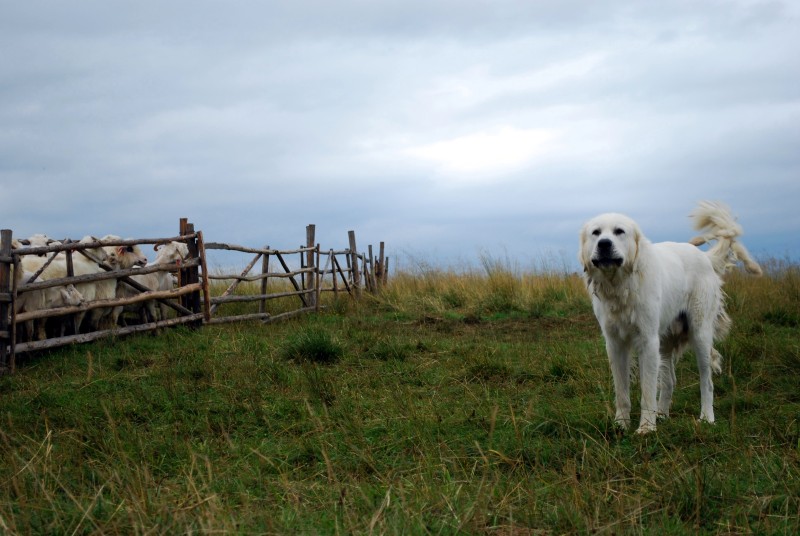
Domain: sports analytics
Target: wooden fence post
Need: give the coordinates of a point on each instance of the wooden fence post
(333, 271)
(194, 271)
(190, 276)
(201, 250)
(354, 256)
(371, 279)
(262, 305)
(6, 341)
(183, 273)
(318, 281)
(380, 271)
(311, 264)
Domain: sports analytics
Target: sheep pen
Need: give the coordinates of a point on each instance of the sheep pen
(59, 292)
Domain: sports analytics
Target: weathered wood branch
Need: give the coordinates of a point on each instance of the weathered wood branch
(88, 337)
(240, 318)
(259, 277)
(256, 297)
(79, 246)
(262, 251)
(289, 314)
(116, 302)
(102, 276)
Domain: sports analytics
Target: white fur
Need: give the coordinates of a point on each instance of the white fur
(117, 257)
(48, 298)
(654, 300)
(167, 254)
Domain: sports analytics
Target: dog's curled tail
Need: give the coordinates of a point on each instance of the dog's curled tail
(715, 221)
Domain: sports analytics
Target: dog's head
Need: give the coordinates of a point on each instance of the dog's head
(609, 242)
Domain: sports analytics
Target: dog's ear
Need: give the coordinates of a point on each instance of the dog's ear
(583, 255)
(638, 242)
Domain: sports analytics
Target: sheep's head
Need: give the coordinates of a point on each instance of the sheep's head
(127, 256)
(130, 256)
(110, 258)
(171, 252)
(39, 240)
(35, 241)
(70, 295)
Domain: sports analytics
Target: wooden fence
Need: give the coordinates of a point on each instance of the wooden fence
(305, 273)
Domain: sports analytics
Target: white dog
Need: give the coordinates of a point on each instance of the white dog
(653, 300)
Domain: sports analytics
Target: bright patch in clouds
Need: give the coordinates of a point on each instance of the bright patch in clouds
(497, 150)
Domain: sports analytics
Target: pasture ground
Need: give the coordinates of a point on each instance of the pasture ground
(477, 403)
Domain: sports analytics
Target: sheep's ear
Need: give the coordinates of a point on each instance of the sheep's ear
(120, 250)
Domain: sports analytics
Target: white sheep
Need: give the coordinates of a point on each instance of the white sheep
(122, 257)
(81, 265)
(48, 298)
(116, 257)
(129, 256)
(167, 254)
(35, 241)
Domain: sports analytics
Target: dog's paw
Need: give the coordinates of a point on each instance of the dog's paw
(705, 419)
(622, 424)
(646, 428)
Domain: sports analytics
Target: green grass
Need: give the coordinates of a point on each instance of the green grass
(453, 403)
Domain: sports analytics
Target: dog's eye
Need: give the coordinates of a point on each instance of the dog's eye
(619, 232)
(596, 232)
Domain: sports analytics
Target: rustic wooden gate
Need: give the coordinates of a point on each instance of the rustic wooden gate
(191, 300)
(185, 299)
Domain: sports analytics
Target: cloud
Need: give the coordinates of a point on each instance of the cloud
(495, 151)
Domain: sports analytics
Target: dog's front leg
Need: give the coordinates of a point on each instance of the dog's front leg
(649, 363)
(666, 382)
(619, 359)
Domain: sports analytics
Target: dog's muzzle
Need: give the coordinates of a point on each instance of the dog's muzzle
(605, 256)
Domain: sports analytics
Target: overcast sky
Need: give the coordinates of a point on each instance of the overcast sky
(448, 129)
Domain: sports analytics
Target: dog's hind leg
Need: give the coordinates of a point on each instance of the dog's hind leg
(702, 344)
(673, 345)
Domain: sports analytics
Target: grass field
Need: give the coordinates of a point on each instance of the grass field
(453, 403)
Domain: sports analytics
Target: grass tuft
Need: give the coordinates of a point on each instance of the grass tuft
(390, 349)
(312, 345)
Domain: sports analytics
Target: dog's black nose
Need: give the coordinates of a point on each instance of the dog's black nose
(604, 244)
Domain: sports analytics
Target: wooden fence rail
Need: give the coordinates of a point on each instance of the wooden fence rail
(294, 278)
